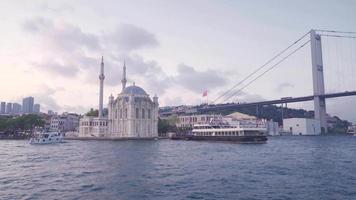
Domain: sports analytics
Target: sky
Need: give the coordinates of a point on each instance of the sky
(176, 49)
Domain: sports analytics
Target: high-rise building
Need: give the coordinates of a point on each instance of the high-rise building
(36, 108)
(27, 105)
(16, 108)
(2, 107)
(9, 108)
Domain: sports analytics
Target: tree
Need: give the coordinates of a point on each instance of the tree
(21, 123)
(165, 126)
(92, 113)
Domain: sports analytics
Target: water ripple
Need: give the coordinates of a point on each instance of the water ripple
(283, 168)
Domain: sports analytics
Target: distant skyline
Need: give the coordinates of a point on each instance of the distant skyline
(52, 49)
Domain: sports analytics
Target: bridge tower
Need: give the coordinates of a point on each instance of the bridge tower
(318, 80)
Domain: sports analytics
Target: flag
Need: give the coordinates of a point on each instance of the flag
(205, 93)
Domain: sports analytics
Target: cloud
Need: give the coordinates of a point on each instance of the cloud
(46, 98)
(36, 24)
(128, 37)
(198, 81)
(56, 67)
(58, 35)
(174, 101)
(283, 86)
(55, 8)
(241, 96)
(74, 53)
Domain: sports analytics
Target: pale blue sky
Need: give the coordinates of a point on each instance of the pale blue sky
(52, 49)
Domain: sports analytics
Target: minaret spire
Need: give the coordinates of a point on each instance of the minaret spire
(123, 80)
(101, 92)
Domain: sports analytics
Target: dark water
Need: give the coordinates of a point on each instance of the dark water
(283, 168)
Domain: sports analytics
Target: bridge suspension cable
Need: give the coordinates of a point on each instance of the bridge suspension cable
(260, 68)
(269, 69)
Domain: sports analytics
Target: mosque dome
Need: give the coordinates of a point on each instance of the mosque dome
(135, 90)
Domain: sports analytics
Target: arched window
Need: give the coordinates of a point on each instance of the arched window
(137, 113)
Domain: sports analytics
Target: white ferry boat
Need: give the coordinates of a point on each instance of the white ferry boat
(47, 138)
(227, 129)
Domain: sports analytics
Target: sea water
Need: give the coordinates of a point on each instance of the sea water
(314, 167)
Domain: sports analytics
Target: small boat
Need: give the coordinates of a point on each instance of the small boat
(47, 138)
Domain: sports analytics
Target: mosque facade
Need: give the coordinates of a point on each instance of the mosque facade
(133, 114)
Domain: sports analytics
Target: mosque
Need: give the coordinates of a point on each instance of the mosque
(131, 115)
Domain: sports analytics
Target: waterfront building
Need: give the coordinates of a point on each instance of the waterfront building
(27, 105)
(65, 122)
(36, 108)
(301, 126)
(2, 107)
(90, 126)
(16, 108)
(187, 121)
(272, 128)
(8, 108)
(132, 114)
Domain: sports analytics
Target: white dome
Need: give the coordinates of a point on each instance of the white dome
(134, 90)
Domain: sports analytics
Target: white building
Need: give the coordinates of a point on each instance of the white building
(93, 126)
(187, 121)
(301, 126)
(65, 122)
(90, 126)
(131, 115)
(272, 128)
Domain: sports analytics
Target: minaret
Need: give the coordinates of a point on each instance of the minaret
(123, 80)
(101, 78)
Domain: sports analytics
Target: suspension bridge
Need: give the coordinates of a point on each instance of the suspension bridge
(314, 38)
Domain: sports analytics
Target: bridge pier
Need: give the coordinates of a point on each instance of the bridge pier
(318, 80)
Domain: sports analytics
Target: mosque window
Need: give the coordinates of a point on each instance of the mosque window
(149, 113)
(115, 113)
(137, 113)
(120, 113)
(125, 113)
(143, 113)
